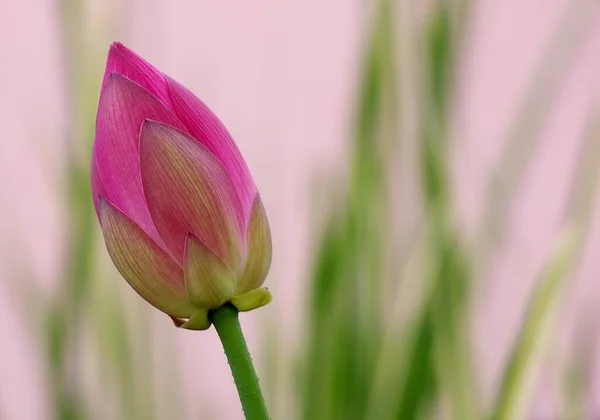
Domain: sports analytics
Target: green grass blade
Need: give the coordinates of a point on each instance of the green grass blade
(345, 315)
(517, 384)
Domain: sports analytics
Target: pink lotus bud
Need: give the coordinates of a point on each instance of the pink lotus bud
(181, 216)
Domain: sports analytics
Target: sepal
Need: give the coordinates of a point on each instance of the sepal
(252, 299)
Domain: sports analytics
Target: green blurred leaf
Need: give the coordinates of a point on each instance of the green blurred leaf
(418, 392)
(345, 314)
(517, 384)
(450, 277)
(439, 43)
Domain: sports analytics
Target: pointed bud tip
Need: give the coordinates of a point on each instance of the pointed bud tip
(119, 46)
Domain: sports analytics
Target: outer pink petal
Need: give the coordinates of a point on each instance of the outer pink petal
(123, 107)
(150, 271)
(188, 191)
(123, 61)
(97, 184)
(202, 124)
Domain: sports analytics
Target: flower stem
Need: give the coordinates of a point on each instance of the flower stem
(225, 320)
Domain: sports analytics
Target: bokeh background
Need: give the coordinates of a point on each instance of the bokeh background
(430, 174)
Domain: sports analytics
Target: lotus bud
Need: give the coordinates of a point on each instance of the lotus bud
(181, 216)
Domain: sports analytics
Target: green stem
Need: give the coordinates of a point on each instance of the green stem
(225, 320)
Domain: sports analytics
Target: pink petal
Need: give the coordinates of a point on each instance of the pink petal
(123, 107)
(97, 185)
(202, 124)
(259, 250)
(125, 62)
(188, 191)
(208, 279)
(150, 271)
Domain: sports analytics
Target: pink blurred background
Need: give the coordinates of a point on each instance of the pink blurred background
(282, 77)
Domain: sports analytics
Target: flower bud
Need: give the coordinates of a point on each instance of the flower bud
(181, 216)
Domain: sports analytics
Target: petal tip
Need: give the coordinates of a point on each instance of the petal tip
(150, 125)
(116, 77)
(152, 131)
(101, 201)
(126, 62)
(104, 206)
(148, 132)
(119, 52)
(252, 300)
(210, 282)
(113, 79)
(199, 321)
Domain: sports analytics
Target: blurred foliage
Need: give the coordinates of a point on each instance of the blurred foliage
(519, 375)
(429, 371)
(345, 315)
